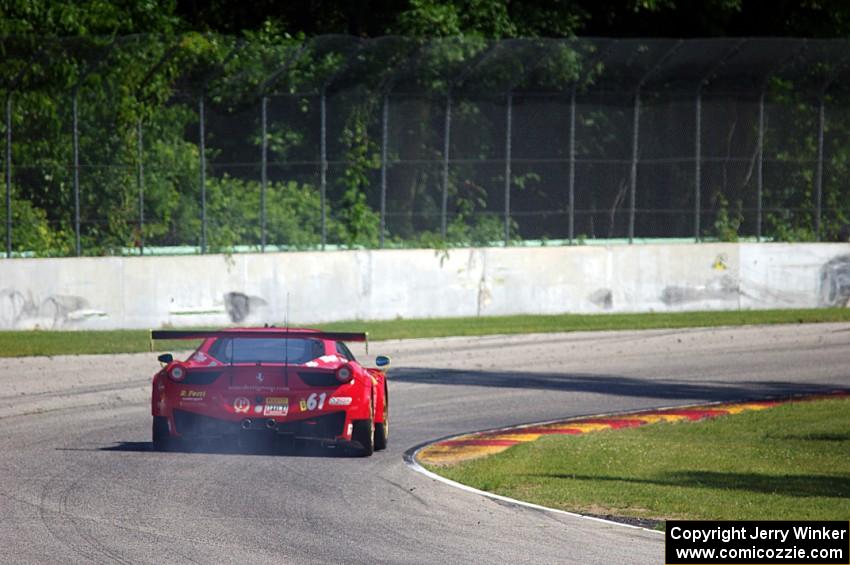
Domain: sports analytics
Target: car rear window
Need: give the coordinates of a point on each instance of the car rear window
(266, 350)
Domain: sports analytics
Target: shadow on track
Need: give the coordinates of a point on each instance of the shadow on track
(253, 447)
(705, 390)
(801, 486)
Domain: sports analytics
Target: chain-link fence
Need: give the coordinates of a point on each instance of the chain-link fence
(202, 143)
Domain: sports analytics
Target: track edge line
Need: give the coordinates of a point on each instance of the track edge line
(412, 463)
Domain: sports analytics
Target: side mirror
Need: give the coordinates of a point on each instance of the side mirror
(166, 358)
(382, 361)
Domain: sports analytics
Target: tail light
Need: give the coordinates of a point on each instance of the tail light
(343, 374)
(177, 373)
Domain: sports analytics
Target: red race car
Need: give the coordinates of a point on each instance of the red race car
(299, 383)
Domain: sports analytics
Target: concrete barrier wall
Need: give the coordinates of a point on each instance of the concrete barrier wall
(142, 292)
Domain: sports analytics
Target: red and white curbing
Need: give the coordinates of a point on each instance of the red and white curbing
(482, 444)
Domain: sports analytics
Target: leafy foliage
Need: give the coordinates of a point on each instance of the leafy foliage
(127, 66)
(356, 223)
(234, 214)
(33, 231)
(727, 223)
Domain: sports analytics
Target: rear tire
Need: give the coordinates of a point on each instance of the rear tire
(161, 439)
(382, 429)
(380, 436)
(364, 434)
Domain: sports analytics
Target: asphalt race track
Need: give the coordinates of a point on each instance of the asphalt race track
(79, 484)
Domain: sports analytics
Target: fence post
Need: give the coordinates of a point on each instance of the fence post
(323, 167)
(636, 135)
(203, 155)
(509, 124)
(385, 117)
(633, 187)
(140, 183)
(572, 176)
(447, 130)
(263, 172)
(698, 167)
(9, 176)
(760, 165)
(76, 142)
(819, 172)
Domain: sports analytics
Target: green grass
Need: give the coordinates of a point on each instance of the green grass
(37, 342)
(791, 462)
(24, 343)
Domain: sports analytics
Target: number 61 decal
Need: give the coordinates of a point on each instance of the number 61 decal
(313, 402)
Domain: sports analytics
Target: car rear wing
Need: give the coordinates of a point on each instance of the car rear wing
(259, 333)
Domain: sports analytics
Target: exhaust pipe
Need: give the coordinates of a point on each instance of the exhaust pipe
(246, 424)
(271, 424)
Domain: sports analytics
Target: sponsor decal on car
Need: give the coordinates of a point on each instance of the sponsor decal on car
(193, 395)
(257, 388)
(276, 406)
(340, 401)
(315, 401)
(241, 404)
